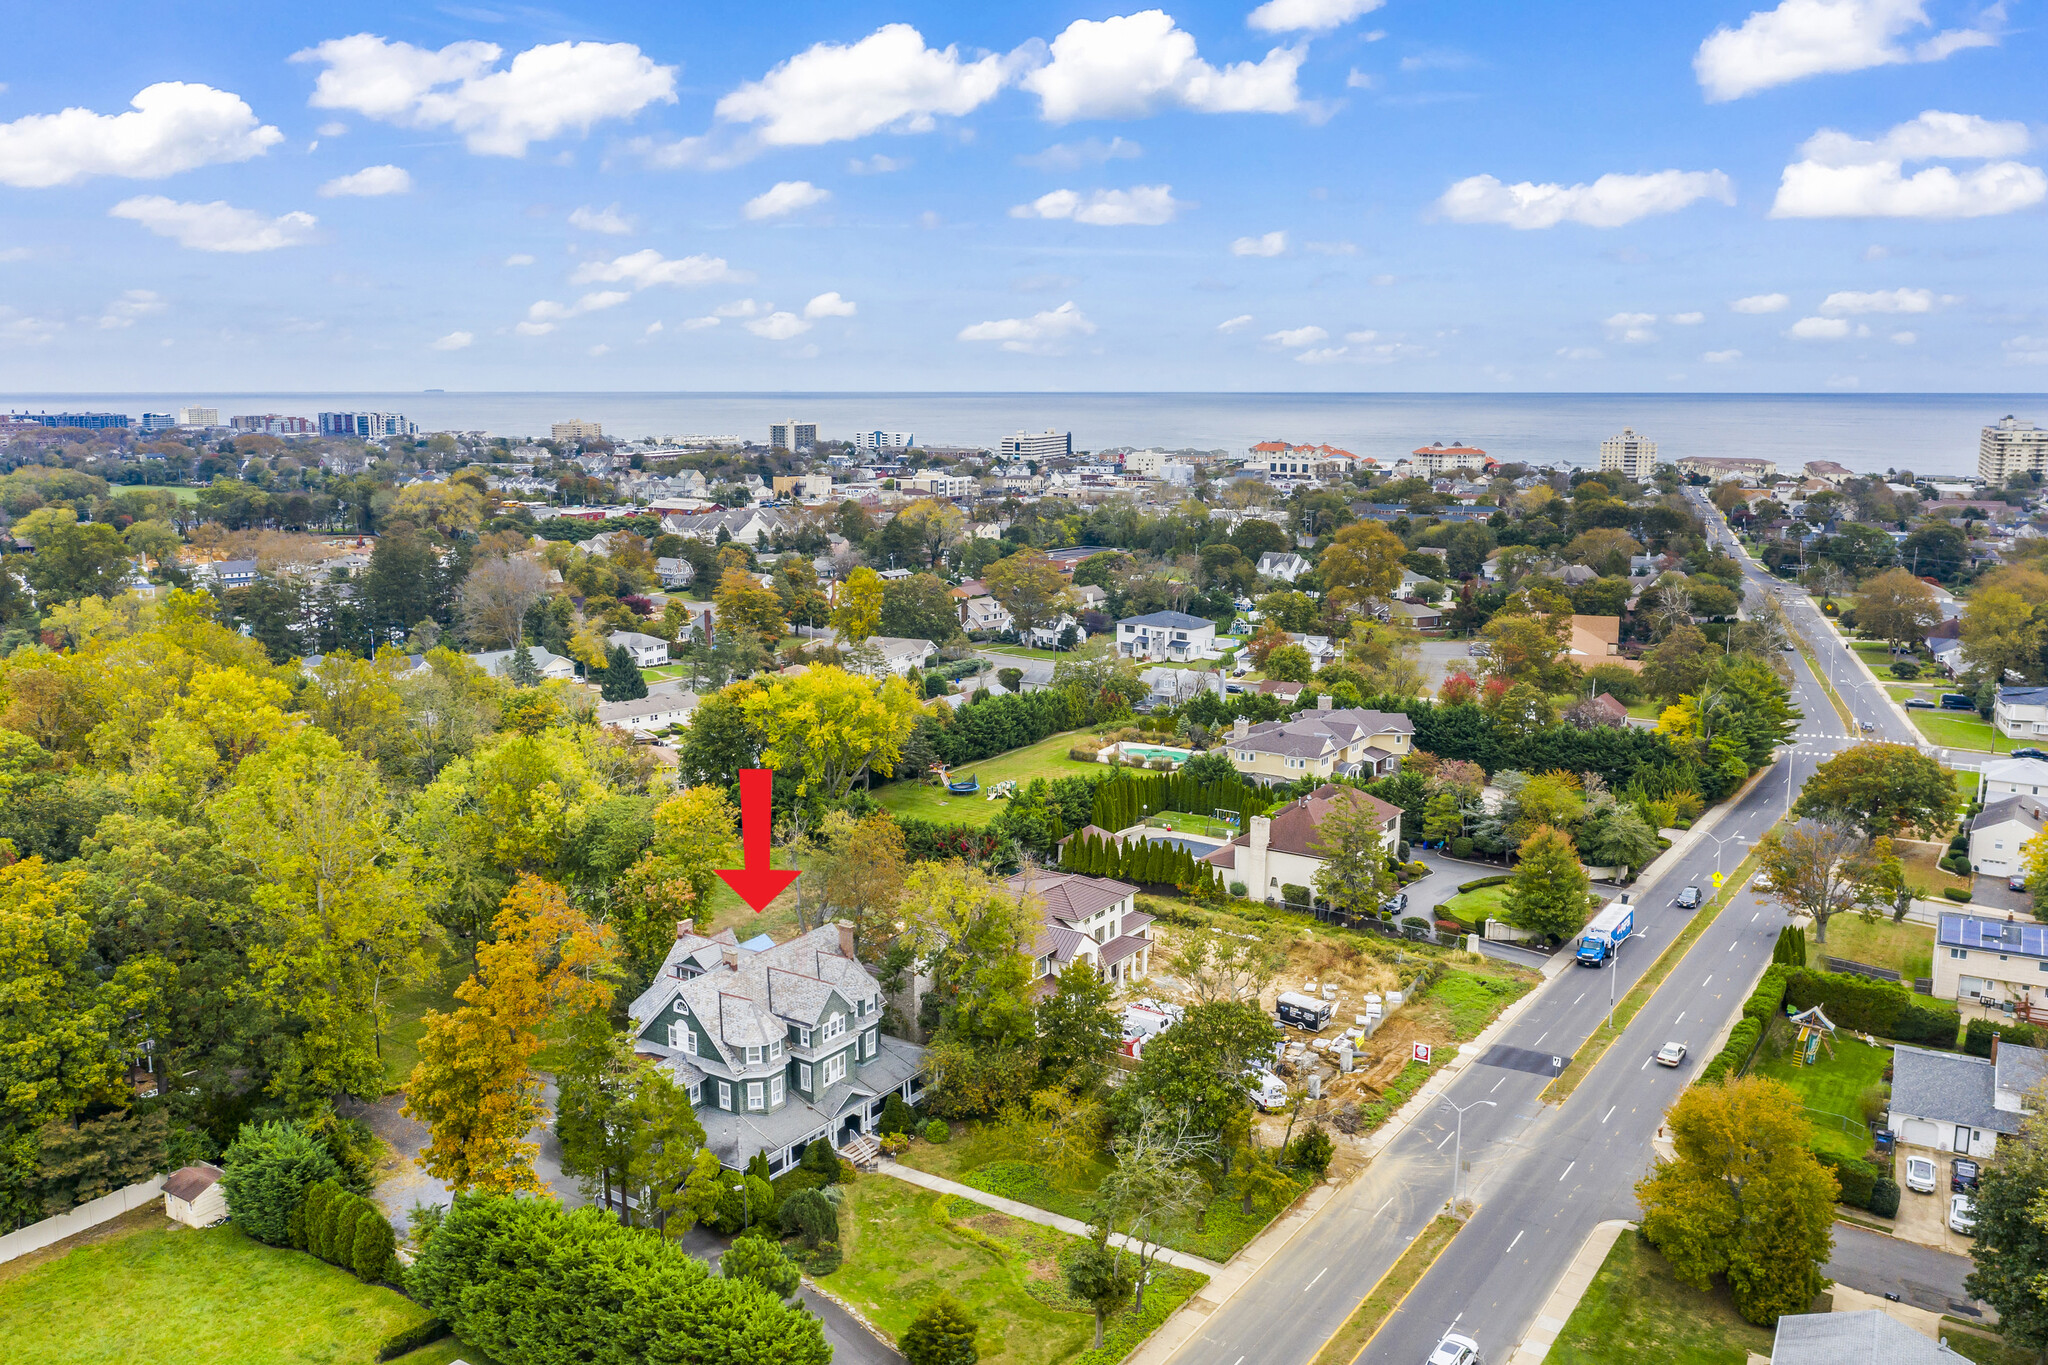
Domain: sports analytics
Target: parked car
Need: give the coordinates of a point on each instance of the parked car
(1962, 1214)
(2028, 753)
(1455, 1350)
(1957, 701)
(1671, 1054)
(1962, 1175)
(1395, 904)
(1919, 704)
(1920, 1174)
(1689, 899)
(2018, 883)
(1789, 649)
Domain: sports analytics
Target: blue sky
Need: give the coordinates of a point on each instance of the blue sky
(1299, 195)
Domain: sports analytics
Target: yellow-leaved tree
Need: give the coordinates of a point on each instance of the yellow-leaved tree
(475, 1087)
(860, 606)
(695, 834)
(832, 726)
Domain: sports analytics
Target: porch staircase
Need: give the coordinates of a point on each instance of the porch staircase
(863, 1151)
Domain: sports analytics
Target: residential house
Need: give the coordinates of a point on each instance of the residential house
(648, 651)
(1049, 635)
(1413, 584)
(226, 573)
(1092, 918)
(1947, 652)
(1597, 640)
(1278, 849)
(985, 616)
(1829, 472)
(1289, 692)
(777, 1044)
(898, 655)
(497, 662)
(1961, 1104)
(2012, 777)
(1284, 565)
(1325, 742)
(1606, 710)
(675, 572)
(1992, 962)
(193, 1196)
(1416, 616)
(658, 710)
(1091, 597)
(1166, 635)
(1321, 650)
(1866, 1336)
(2021, 712)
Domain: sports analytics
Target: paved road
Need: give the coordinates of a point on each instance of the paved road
(851, 1343)
(1542, 1176)
(1921, 1275)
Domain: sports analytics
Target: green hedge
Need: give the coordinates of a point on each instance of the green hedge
(406, 1340)
(1977, 1037)
(1768, 999)
(1955, 895)
(1478, 882)
(1877, 1007)
(1858, 1178)
(1742, 1041)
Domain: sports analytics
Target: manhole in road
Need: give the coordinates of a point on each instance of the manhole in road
(1523, 1059)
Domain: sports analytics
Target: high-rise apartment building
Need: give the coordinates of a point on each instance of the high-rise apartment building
(198, 417)
(2011, 447)
(1630, 455)
(793, 436)
(884, 440)
(273, 424)
(158, 421)
(365, 424)
(86, 421)
(577, 430)
(1045, 445)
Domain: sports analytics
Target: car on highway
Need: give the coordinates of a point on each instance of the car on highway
(1455, 1350)
(1920, 1174)
(1962, 1175)
(1688, 899)
(1919, 704)
(1671, 1054)
(1789, 648)
(1962, 1214)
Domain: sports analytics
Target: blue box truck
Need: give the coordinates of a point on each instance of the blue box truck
(1599, 939)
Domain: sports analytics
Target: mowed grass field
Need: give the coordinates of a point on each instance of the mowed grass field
(1831, 1089)
(1047, 758)
(1636, 1309)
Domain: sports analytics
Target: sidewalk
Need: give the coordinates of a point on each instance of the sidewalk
(1557, 1309)
(1031, 1213)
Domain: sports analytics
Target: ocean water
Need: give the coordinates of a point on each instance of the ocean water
(1926, 433)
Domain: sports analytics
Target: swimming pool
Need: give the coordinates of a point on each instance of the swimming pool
(1127, 752)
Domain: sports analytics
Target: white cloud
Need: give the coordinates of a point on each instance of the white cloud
(173, 127)
(1072, 156)
(742, 308)
(830, 305)
(369, 182)
(1270, 244)
(1298, 336)
(698, 324)
(1383, 280)
(1631, 328)
(1288, 16)
(607, 220)
(519, 258)
(545, 91)
(133, 304)
(1360, 80)
(14, 253)
(600, 349)
(876, 164)
(778, 326)
(1610, 201)
(1850, 302)
(1839, 176)
(454, 341)
(1134, 64)
(785, 197)
(1236, 324)
(1814, 37)
(1721, 357)
(834, 91)
(542, 315)
(1043, 333)
(1762, 303)
(2027, 351)
(1331, 248)
(1138, 206)
(1581, 353)
(331, 129)
(648, 267)
(25, 329)
(1361, 348)
(1686, 319)
(1904, 338)
(1819, 329)
(218, 226)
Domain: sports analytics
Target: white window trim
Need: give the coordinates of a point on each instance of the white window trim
(834, 1026)
(803, 1075)
(689, 1036)
(835, 1068)
(724, 1095)
(757, 1096)
(775, 1090)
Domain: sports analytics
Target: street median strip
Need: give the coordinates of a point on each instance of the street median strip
(1350, 1340)
(1590, 1052)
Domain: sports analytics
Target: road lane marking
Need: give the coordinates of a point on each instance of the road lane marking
(1582, 996)
(1511, 1247)
(1645, 1066)
(1447, 1137)
(1567, 1170)
(1679, 1020)
(1708, 982)
(1497, 1084)
(1382, 1208)
(1540, 1037)
(1731, 947)
(1610, 1113)
(1312, 1283)
(1752, 918)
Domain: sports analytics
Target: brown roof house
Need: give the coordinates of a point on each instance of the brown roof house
(1279, 848)
(1597, 640)
(193, 1196)
(1325, 742)
(1093, 918)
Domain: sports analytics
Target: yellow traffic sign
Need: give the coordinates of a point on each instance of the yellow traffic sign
(1717, 881)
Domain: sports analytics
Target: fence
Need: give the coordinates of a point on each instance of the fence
(36, 1236)
(1864, 969)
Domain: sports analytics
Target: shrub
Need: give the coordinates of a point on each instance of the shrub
(312, 1218)
(1876, 1007)
(1977, 1037)
(942, 1333)
(1742, 1041)
(1955, 894)
(895, 1144)
(374, 1256)
(897, 1116)
(937, 1131)
(810, 1215)
(821, 1160)
(1461, 847)
(758, 1259)
(267, 1172)
(822, 1259)
(1884, 1197)
(347, 1212)
(1857, 1178)
(355, 1150)
(406, 1340)
(1905, 668)
(1312, 1150)
(1237, 889)
(1477, 882)
(1295, 895)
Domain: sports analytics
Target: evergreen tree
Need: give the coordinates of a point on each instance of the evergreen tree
(520, 670)
(620, 679)
(1550, 889)
(941, 1334)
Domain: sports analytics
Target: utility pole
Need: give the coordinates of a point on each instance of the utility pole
(1458, 1146)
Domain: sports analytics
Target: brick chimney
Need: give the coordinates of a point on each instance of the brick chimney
(845, 928)
(1325, 702)
(684, 929)
(731, 953)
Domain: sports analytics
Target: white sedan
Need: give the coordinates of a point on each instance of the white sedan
(1455, 1350)
(1962, 1214)
(1671, 1054)
(1920, 1174)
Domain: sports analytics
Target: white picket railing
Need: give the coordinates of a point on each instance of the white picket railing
(36, 1236)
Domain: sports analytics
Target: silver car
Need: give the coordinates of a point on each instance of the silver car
(1920, 1174)
(1962, 1214)
(1455, 1350)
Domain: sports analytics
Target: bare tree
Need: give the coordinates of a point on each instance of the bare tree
(496, 596)
(1217, 969)
(1153, 1186)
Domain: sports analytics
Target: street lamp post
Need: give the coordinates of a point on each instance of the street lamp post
(746, 1209)
(1458, 1146)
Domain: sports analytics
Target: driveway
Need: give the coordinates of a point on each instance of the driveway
(1923, 1218)
(851, 1342)
(403, 1184)
(1988, 895)
(1440, 656)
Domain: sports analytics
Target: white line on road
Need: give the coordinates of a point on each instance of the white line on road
(1708, 982)
(1582, 996)
(1312, 1283)
(1610, 1113)
(1731, 947)
(1382, 1208)
(1447, 1137)
(1679, 1020)
(1498, 1084)
(1511, 1247)
(1540, 1037)
(1752, 918)
(1567, 1170)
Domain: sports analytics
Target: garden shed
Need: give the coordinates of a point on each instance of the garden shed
(193, 1196)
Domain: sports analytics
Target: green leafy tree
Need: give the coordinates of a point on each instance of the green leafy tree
(942, 1333)
(72, 560)
(1100, 1278)
(1353, 875)
(1443, 817)
(265, 1176)
(761, 1260)
(1745, 1200)
(1196, 1069)
(1290, 663)
(1882, 789)
(1078, 1031)
(1616, 835)
(2011, 1246)
(1550, 890)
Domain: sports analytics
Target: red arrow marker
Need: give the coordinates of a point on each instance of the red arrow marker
(757, 883)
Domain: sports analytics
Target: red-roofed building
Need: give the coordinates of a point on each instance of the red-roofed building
(1295, 464)
(1439, 458)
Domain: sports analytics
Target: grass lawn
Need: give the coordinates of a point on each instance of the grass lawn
(1923, 867)
(145, 1289)
(903, 1245)
(1961, 730)
(1465, 1002)
(1645, 710)
(1182, 822)
(1474, 907)
(1636, 1309)
(409, 1006)
(1832, 1088)
(1907, 949)
(1047, 758)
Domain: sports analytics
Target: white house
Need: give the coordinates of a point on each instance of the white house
(1960, 1104)
(898, 655)
(1048, 635)
(1093, 918)
(1275, 850)
(1991, 962)
(2012, 777)
(985, 616)
(658, 710)
(193, 1196)
(648, 651)
(2021, 711)
(2001, 831)
(1284, 565)
(496, 662)
(1166, 635)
